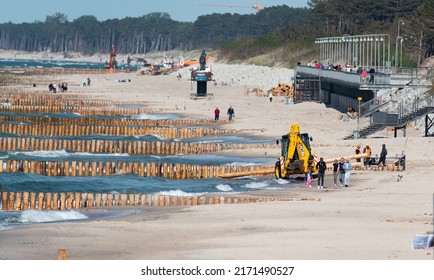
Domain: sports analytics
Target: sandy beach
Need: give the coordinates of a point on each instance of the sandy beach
(375, 218)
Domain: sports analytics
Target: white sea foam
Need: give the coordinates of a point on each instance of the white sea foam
(60, 153)
(256, 185)
(156, 136)
(34, 216)
(150, 117)
(95, 154)
(224, 188)
(179, 193)
(282, 181)
(236, 163)
(210, 141)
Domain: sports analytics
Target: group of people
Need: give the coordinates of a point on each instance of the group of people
(54, 87)
(368, 160)
(86, 82)
(342, 169)
(230, 113)
(347, 68)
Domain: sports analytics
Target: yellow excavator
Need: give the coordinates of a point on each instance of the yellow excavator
(296, 156)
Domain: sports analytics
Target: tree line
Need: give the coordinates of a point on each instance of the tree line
(151, 32)
(235, 35)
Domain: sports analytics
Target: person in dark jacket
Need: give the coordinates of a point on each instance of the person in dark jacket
(371, 75)
(383, 155)
(321, 166)
(231, 113)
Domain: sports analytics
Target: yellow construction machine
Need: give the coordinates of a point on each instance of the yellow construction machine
(296, 156)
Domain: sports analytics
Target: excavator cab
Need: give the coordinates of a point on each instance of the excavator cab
(296, 156)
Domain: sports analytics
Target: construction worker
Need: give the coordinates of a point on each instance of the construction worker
(368, 152)
(358, 152)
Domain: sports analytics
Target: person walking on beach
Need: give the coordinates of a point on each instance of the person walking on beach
(347, 168)
(358, 151)
(309, 178)
(231, 113)
(341, 171)
(216, 114)
(383, 155)
(335, 172)
(321, 166)
(270, 96)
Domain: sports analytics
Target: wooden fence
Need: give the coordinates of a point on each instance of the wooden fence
(110, 121)
(20, 201)
(116, 130)
(136, 147)
(52, 71)
(102, 168)
(84, 111)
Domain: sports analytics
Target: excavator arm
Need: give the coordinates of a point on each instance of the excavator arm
(296, 155)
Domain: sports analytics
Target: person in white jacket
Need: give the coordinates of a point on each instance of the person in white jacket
(347, 168)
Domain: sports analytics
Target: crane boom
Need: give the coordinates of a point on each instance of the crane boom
(256, 7)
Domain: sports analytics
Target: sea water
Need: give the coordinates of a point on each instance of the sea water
(49, 63)
(123, 183)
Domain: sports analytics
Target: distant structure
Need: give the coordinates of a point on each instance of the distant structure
(201, 75)
(111, 66)
(257, 7)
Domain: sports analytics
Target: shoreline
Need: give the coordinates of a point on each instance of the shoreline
(376, 218)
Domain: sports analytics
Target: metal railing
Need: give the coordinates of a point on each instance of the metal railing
(344, 76)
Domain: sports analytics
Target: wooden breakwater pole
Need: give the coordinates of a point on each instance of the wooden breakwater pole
(146, 169)
(116, 130)
(21, 201)
(138, 147)
(111, 121)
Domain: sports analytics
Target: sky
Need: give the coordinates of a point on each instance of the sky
(19, 11)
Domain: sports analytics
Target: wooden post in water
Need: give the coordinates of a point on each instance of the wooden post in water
(11, 201)
(62, 201)
(55, 201)
(110, 199)
(18, 201)
(33, 200)
(70, 200)
(5, 196)
(77, 200)
(25, 201)
(48, 201)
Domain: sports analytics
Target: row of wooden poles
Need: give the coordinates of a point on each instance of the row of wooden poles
(84, 111)
(101, 168)
(116, 130)
(48, 99)
(108, 121)
(17, 99)
(51, 71)
(21, 201)
(137, 147)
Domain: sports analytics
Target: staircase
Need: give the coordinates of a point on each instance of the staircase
(418, 109)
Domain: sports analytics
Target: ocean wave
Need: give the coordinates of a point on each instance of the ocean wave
(150, 117)
(224, 188)
(236, 163)
(34, 216)
(96, 154)
(180, 193)
(60, 153)
(256, 185)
